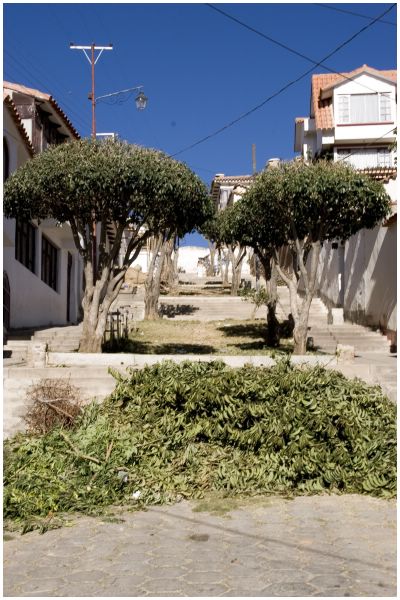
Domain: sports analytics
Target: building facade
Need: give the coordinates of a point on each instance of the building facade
(42, 270)
(353, 119)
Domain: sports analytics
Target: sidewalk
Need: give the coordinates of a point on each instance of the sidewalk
(309, 546)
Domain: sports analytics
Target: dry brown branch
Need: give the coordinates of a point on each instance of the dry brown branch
(53, 403)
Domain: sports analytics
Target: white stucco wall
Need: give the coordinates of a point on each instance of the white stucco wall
(188, 258)
(371, 278)
(311, 141)
(362, 277)
(364, 84)
(33, 302)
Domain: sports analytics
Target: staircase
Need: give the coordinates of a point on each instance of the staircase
(60, 339)
(327, 337)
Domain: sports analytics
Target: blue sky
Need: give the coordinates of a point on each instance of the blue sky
(200, 70)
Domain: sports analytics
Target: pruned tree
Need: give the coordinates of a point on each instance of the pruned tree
(212, 246)
(92, 185)
(161, 267)
(221, 231)
(296, 207)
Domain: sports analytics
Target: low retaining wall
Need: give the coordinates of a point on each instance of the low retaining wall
(77, 359)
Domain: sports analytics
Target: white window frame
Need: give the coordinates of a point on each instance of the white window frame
(384, 156)
(343, 111)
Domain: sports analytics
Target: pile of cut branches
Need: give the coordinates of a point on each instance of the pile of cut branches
(53, 402)
(174, 431)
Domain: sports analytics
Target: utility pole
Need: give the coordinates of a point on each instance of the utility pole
(253, 156)
(92, 60)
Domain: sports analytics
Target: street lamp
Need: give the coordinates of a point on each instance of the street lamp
(141, 99)
(141, 102)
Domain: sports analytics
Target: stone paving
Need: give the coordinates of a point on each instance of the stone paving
(309, 546)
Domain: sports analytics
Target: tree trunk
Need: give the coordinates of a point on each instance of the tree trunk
(95, 315)
(225, 269)
(210, 268)
(153, 281)
(236, 262)
(151, 300)
(301, 314)
(91, 342)
(300, 333)
(168, 274)
(271, 279)
(175, 268)
(273, 337)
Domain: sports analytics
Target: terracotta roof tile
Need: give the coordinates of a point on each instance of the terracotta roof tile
(17, 87)
(17, 120)
(322, 109)
(380, 173)
(230, 180)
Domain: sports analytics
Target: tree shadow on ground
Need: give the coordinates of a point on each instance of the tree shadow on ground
(261, 346)
(138, 347)
(173, 310)
(251, 330)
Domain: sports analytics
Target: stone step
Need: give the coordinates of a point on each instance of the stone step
(82, 372)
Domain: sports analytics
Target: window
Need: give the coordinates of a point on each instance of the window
(384, 157)
(25, 240)
(49, 263)
(385, 108)
(344, 109)
(363, 158)
(364, 108)
(6, 160)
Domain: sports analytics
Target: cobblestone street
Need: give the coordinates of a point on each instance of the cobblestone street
(309, 546)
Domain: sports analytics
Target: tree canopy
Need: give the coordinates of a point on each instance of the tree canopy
(87, 183)
(108, 179)
(298, 206)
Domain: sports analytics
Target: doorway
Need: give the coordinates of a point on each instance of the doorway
(69, 273)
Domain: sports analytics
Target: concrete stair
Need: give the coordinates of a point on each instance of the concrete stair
(60, 339)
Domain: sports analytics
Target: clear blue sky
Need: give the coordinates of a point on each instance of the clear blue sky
(200, 70)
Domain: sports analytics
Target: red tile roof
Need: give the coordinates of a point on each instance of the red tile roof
(17, 120)
(380, 173)
(230, 180)
(322, 109)
(22, 89)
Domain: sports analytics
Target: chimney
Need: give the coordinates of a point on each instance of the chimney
(272, 163)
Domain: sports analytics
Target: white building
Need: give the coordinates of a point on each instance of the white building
(227, 190)
(353, 119)
(42, 271)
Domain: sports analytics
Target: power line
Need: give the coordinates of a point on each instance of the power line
(285, 46)
(368, 144)
(42, 83)
(349, 12)
(284, 88)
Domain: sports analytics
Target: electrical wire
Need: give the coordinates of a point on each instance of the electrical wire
(41, 82)
(281, 90)
(285, 46)
(349, 12)
(367, 145)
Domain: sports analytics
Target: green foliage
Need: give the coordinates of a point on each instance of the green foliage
(258, 297)
(319, 201)
(112, 179)
(181, 430)
(222, 227)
